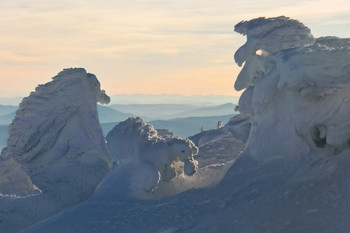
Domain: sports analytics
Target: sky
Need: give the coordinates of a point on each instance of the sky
(142, 46)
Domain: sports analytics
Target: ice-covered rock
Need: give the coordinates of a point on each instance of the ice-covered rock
(56, 143)
(56, 132)
(266, 36)
(159, 157)
(302, 90)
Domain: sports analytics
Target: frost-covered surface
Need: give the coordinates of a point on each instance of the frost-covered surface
(55, 143)
(156, 157)
(293, 175)
(14, 180)
(302, 92)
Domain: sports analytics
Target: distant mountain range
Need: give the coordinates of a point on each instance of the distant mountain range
(107, 114)
(220, 110)
(154, 99)
(183, 127)
(189, 126)
(173, 99)
(6, 109)
(119, 112)
(153, 111)
(183, 119)
(170, 111)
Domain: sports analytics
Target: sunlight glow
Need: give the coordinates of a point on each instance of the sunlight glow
(141, 46)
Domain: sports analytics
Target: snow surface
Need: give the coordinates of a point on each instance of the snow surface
(293, 175)
(56, 147)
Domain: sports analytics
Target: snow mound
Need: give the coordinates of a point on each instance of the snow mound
(159, 157)
(56, 143)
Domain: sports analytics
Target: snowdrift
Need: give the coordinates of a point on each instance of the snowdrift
(56, 153)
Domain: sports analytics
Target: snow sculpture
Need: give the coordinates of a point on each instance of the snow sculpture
(56, 142)
(294, 84)
(56, 147)
(160, 155)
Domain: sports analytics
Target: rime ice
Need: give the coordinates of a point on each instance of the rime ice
(56, 144)
(160, 156)
(299, 87)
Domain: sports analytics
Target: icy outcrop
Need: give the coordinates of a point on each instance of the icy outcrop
(56, 143)
(159, 157)
(297, 86)
(56, 131)
(266, 36)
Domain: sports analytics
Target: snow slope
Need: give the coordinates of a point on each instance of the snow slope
(293, 175)
(56, 145)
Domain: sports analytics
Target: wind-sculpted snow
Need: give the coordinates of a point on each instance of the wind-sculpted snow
(56, 145)
(158, 156)
(298, 86)
(266, 36)
(43, 114)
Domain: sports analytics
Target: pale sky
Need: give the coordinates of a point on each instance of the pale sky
(142, 46)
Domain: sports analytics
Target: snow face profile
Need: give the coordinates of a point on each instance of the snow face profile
(160, 157)
(295, 84)
(56, 143)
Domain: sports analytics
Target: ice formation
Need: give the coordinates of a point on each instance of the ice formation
(159, 155)
(56, 143)
(298, 87)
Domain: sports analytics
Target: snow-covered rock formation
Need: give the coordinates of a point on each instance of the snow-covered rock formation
(55, 143)
(159, 155)
(296, 88)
